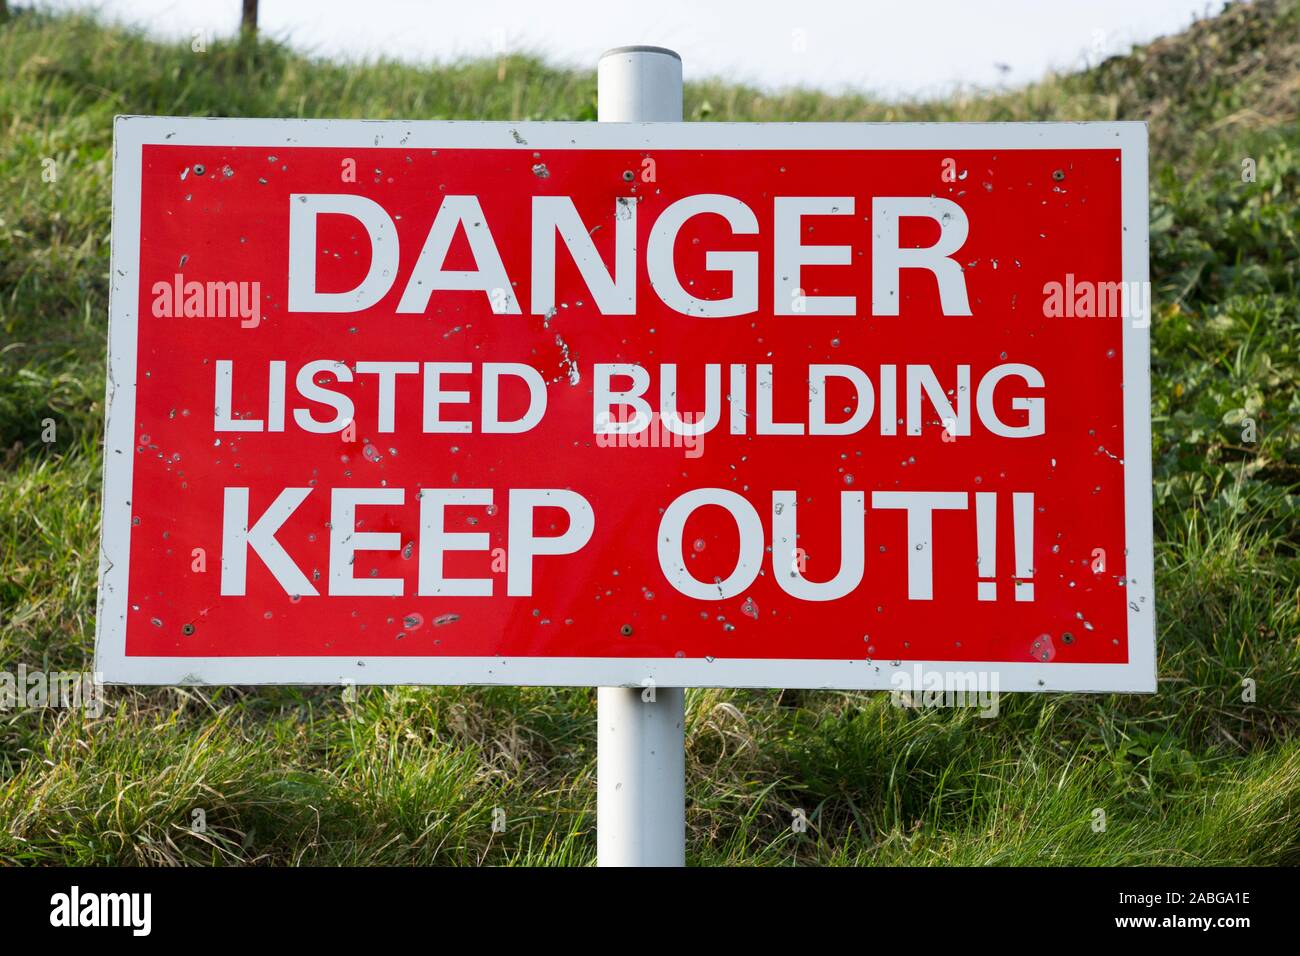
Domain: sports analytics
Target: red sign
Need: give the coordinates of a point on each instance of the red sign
(736, 405)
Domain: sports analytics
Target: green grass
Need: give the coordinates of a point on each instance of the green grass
(1194, 774)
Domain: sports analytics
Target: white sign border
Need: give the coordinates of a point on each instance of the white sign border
(133, 132)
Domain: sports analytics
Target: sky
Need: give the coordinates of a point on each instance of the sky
(891, 47)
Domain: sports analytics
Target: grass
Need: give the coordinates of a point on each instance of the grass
(1195, 774)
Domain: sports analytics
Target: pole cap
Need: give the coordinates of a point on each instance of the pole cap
(641, 49)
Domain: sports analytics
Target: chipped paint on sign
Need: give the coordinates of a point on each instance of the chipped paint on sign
(476, 403)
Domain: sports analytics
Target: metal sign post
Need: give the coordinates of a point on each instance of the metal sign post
(640, 741)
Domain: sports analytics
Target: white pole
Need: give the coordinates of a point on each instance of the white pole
(640, 737)
(639, 84)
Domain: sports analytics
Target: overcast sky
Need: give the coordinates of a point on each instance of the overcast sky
(908, 47)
